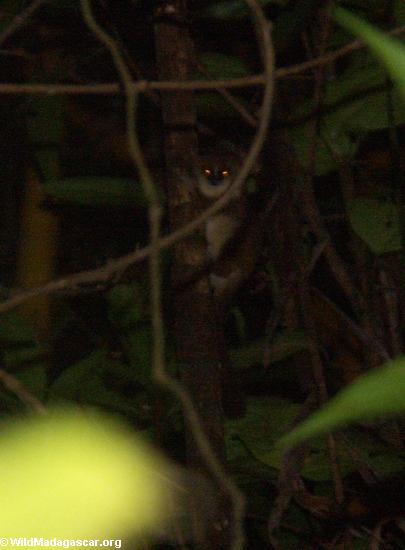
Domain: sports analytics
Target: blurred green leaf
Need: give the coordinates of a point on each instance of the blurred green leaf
(377, 223)
(248, 354)
(293, 21)
(210, 104)
(284, 345)
(399, 12)
(97, 191)
(373, 452)
(265, 420)
(220, 65)
(15, 357)
(34, 380)
(79, 475)
(379, 393)
(126, 305)
(354, 104)
(13, 328)
(45, 129)
(46, 125)
(139, 346)
(87, 382)
(390, 51)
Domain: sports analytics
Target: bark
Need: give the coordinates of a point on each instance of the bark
(194, 312)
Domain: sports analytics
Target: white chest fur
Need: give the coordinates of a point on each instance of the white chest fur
(219, 230)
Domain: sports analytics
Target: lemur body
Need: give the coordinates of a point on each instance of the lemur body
(233, 242)
(232, 236)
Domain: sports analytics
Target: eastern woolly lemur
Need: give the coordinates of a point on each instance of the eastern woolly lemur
(232, 235)
(233, 243)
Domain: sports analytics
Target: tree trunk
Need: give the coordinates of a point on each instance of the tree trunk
(193, 309)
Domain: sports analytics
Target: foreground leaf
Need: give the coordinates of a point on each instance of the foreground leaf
(379, 393)
(71, 475)
(390, 51)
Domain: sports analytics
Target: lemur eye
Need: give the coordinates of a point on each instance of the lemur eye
(207, 172)
(225, 173)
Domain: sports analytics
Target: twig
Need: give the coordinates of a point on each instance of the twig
(233, 102)
(329, 57)
(20, 19)
(144, 85)
(355, 328)
(139, 86)
(172, 384)
(107, 271)
(160, 373)
(15, 386)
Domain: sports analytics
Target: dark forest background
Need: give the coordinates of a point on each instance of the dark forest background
(322, 299)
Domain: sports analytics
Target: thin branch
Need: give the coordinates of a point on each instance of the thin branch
(144, 85)
(20, 20)
(329, 57)
(14, 385)
(160, 373)
(231, 99)
(107, 272)
(131, 94)
(172, 384)
(138, 86)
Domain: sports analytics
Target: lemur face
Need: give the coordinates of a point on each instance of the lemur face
(213, 181)
(215, 174)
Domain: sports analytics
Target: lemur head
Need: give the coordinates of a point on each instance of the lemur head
(215, 174)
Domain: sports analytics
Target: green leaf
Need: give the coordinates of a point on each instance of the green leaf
(284, 345)
(377, 223)
(13, 328)
(46, 126)
(265, 420)
(292, 22)
(249, 354)
(126, 305)
(316, 466)
(390, 51)
(34, 378)
(210, 104)
(220, 65)
(139, 346)
(379, 393)
(87, 382)
(387, 464)
(45, 129)
(97, 191)
(354, 104)
(399, 12)
(17, 357)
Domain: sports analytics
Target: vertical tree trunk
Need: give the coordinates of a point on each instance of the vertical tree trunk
(194, 311)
